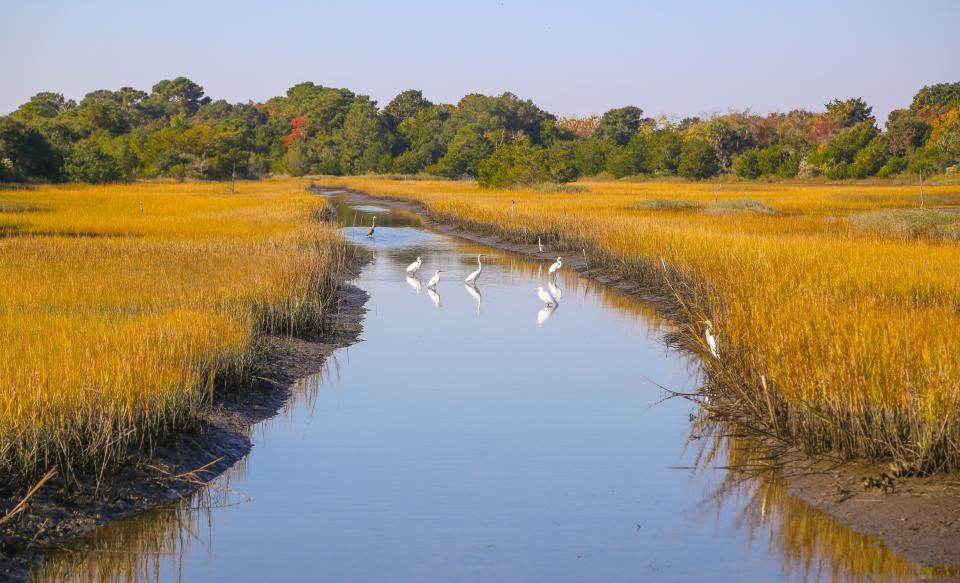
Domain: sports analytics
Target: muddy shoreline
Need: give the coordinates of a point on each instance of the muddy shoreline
(918, 520)
(51, 519)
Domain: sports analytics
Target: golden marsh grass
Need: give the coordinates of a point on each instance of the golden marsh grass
(856, 333)
(120, 306)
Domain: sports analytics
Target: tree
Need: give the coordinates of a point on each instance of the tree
(43, 105)
(87, 162)
(619, 125)
(728, 140)
(582, 127)
(698, 160)
(24, 152)
(361, 139)
(634, 158)
(469, 147)
(513, 165)
(836, 155)
(665, 146)
(405, 106)
(181, 95)
(932, 100)
(850, 112)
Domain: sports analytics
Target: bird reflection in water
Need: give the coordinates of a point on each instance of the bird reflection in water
(434, 296)
(544, 314)
(415, 284)
(555, 290)
(474, 292)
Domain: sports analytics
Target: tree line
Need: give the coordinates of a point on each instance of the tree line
(177, 131)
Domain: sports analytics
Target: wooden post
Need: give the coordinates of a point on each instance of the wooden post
(921, 189)
(233, 179)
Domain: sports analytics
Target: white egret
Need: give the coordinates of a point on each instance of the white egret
(539, 245)
(434, 296)
(472, 278)
(555, 290)
(373, 226)
(711, 339)
(415, 284)
(546, 298)
(475, 293)
(414, 267)
(556, 266)
(544, 314)
(434, 280)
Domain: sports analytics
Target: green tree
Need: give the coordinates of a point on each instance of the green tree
(698, 160)
(24, 152)
(849, 112)
(665, 147)
(43, 105)
(513, 165)
(361, 140)
(618, 125)
(88, 162)
(405, 106)
(468, 149)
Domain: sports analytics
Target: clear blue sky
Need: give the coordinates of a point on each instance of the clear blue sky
(684, 58)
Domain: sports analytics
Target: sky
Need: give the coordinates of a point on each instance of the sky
(571, 58)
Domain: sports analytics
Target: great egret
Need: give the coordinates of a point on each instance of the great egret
(434, 280)
(472, 278)
(415, 284)
(711, 339)
(555, 290)
(539, 245)
(546, 298)
(414, 267)
(434, 296)
(556, 266)
(373, 226)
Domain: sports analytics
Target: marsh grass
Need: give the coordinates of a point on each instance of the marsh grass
(125, 308)
(909, 223)
(831, 343)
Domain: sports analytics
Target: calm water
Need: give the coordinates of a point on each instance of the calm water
(474, 435)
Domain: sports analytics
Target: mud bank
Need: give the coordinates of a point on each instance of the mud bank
(187, 461)
(918, 519)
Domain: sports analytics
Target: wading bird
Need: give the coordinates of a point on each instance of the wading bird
(473, 277)
(434, 280)
(555, 267)
(545, 297)
(539, 245)
(711, 339)
(373, 226)
(414, 267)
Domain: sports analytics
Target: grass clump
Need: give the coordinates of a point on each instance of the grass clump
(117, 337)
(909, 223)
(740, 206)
(558, 187)
(666, 204)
